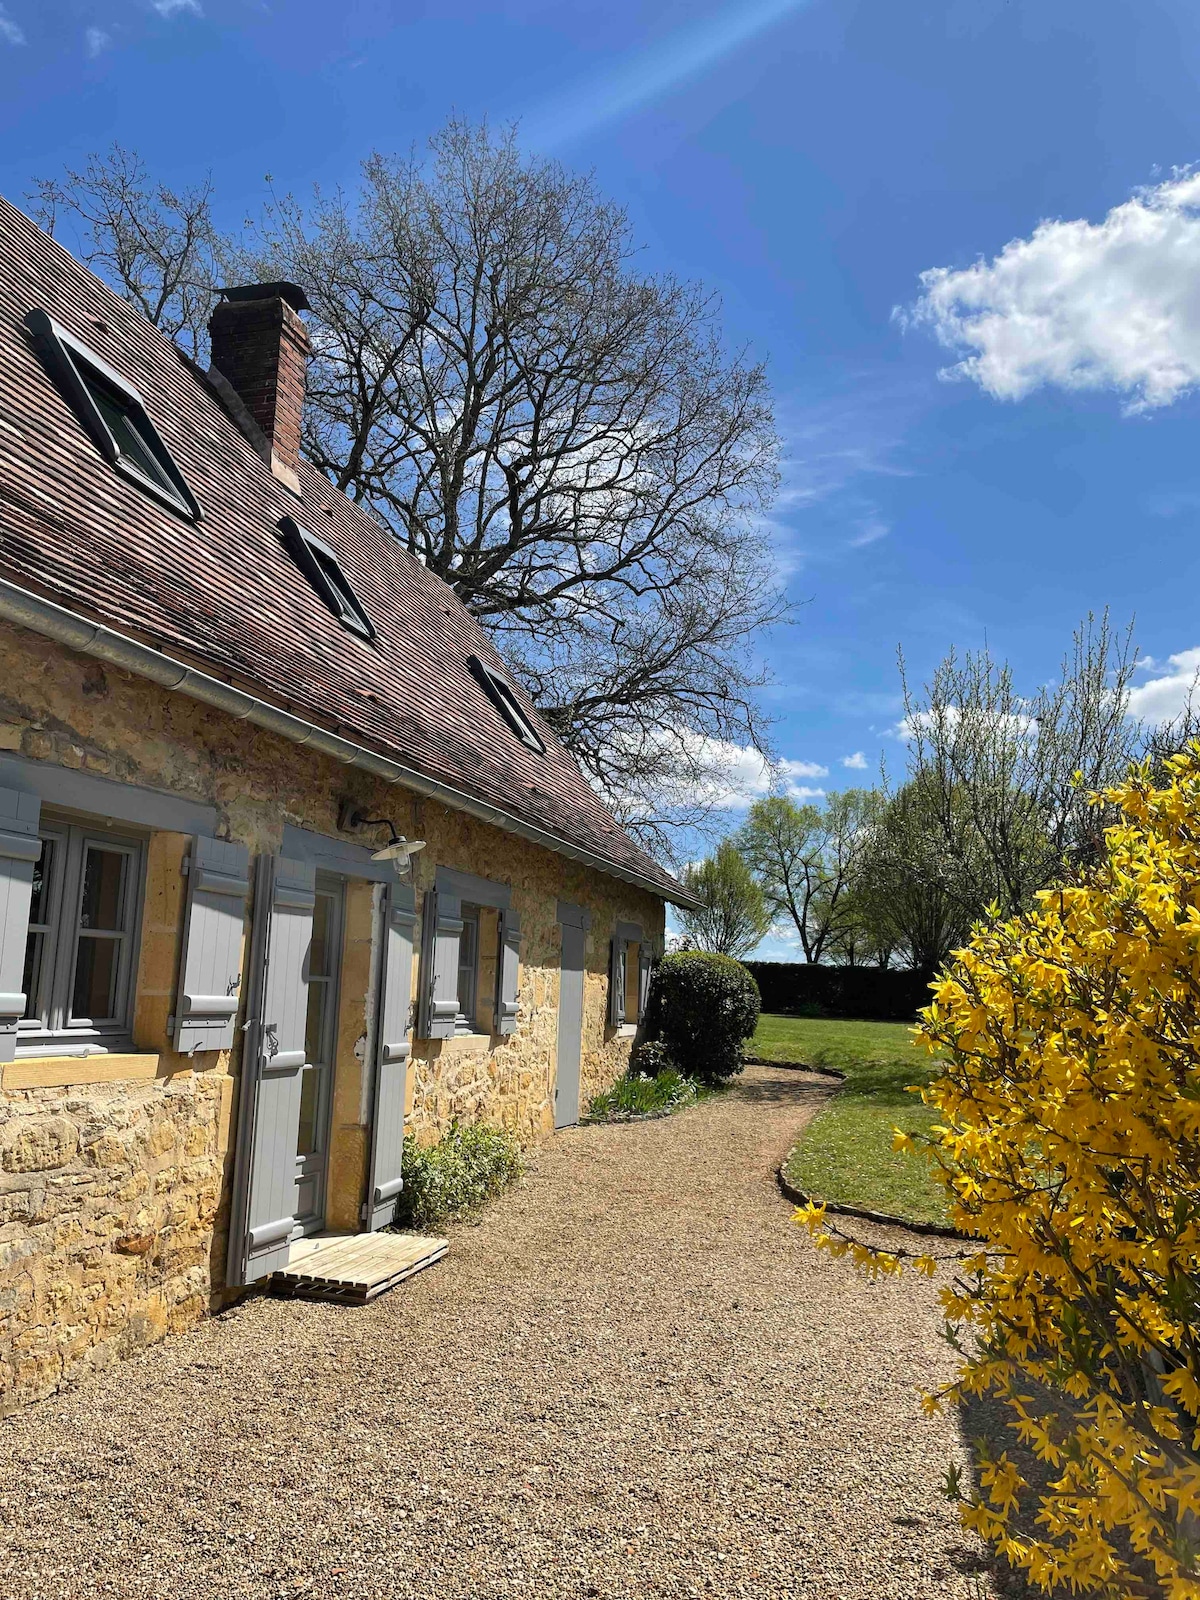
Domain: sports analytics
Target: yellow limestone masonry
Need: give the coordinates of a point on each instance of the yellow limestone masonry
(115, 1172)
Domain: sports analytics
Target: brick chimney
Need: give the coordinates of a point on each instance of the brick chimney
(260, 350)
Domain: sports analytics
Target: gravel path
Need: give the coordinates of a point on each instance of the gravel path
(634, 1378)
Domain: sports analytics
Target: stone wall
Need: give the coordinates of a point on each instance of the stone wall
(109, 1197)
(114, 1172)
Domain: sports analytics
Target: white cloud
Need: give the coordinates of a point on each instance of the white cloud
(1164, 698)
(175, 8)
(1082, 305)
(96, 41)
(740, 776)
(731, 777)
(9, 31)
(857, 761)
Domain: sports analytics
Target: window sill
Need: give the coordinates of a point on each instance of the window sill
(60, 1072)
(627, 1030)
(467, 1044)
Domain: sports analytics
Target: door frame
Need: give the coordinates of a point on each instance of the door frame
(337, 857)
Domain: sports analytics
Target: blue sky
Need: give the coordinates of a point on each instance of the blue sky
(809, 159)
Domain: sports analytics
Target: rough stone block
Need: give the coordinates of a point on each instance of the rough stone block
(38, 1144)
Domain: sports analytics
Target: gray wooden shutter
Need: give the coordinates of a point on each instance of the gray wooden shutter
(20, 849)
(393, 1009)
(210, 967)
(508, 971)
(616, 983)
(278, 1037)
(441, 930)
(645, 960)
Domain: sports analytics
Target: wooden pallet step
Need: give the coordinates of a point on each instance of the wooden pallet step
(356, 1268)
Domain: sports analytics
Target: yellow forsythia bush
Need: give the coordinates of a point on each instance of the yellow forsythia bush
(1069, 1143)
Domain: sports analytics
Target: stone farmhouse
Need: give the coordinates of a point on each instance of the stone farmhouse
(224, 691)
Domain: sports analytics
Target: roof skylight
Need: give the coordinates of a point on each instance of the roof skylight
(504, 699)
(114, 414)
(321, 567)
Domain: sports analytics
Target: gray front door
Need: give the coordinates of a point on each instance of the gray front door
(274, 1059)
(573, 921)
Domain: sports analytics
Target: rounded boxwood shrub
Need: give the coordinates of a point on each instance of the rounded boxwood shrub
(703, 1008)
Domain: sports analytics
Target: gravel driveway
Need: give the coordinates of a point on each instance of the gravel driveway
(635, 1378)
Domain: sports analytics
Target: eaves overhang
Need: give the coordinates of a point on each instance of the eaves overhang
(30, 610)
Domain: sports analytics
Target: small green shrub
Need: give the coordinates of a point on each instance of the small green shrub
(455, 1177)
(641, 1096)
(652, 1058)
(703, 1008)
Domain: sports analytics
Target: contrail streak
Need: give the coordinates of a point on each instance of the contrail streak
(646, 77)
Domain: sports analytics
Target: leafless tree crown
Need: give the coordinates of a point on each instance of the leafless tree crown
(566, 440)
(157, 246)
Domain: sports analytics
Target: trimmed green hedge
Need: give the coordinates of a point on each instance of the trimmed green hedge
(455, 1177)
(703, 1008)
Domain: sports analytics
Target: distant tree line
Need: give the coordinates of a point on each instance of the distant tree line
(992, 809)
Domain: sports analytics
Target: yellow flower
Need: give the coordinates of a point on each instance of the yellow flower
(1069, 1141)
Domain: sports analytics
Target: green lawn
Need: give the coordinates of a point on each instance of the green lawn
(845, 1154)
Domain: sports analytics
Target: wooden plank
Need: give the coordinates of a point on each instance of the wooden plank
(354, 1269)
(59, 1072)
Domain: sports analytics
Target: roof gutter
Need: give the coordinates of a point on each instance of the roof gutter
(93, 639)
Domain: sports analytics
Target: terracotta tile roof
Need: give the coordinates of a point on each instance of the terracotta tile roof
(224, 594)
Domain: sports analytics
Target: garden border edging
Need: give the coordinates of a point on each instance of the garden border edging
(884, 1218)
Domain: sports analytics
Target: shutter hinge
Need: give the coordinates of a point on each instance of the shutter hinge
(171, 1027)
(186, 868)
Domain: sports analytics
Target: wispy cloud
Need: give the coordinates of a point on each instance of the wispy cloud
(96, 41)
(857, 762)
(873, 529)
(645, 77)
(175, 8)
(9, 31)
(838, 448)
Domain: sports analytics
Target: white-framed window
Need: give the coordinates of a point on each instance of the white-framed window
(114, 414)
(320, 565)
(81, 949)
(504, 697)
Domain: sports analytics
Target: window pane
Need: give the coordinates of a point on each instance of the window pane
(468, 947)
(314, 1027)
(38, 905)
(94, 993)
(31, 982)
(632, 978)
(318, 952)
(124, 429)
(103, 889)
(306, 1142)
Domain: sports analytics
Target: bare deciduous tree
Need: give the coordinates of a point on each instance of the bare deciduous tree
(157, 246)
(1022, 766)
(566, 440)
